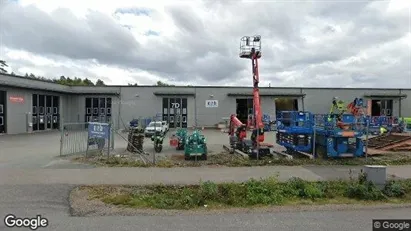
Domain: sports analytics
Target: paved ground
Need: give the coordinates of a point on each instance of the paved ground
(33, 181)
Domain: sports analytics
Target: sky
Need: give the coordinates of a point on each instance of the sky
(303, 43)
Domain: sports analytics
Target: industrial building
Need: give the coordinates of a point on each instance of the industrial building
(28, 105)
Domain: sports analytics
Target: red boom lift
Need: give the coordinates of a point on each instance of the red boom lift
(250, 48)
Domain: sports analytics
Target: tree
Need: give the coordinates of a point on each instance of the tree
(63, 80)
(133, 84)
(100, 82)
(3, 65)
(162, 84)
(87, 82)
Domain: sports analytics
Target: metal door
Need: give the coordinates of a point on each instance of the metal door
(2, 112)
(184, 113)
(177, 112)
(108, 110)
(56, 113)
(386, 107)
(165, 110)
(49, 112)
(42, 112)
(171, 112)
(95, 110)
(35, 112)
(102, 110)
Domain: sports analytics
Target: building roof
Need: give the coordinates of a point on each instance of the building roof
(29, 83)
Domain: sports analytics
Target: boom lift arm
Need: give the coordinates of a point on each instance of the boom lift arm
(250, 48)
(258, 120)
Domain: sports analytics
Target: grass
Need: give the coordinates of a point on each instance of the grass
(231, 160)
(253, 193)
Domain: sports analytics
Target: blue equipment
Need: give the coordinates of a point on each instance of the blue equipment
(295, 131)
(134, 123)
(267, 122)
(334, 136)
(391, 123)
(339, 137)
(143, 122)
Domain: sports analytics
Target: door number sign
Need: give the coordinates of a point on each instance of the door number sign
(175, 105)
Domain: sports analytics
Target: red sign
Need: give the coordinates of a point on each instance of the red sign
(16, 99)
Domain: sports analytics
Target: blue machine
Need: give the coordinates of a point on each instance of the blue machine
(267, 123)
(334, 136)
(391, 123)
(143, 122)
(295, 131)
(339, 137)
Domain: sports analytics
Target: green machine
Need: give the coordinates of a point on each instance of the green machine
(158, 139)
(181, 137)
(195, 145)
(407, 124)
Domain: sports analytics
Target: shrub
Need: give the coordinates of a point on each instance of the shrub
(394, 189)
(297, 187)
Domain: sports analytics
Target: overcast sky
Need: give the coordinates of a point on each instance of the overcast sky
(320, 43)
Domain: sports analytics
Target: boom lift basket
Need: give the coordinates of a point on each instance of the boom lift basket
(248, 44)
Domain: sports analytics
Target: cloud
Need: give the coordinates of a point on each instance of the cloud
(327, 43)
(134, 11)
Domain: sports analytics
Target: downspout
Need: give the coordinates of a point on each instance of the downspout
(302, 99)
(119, 110)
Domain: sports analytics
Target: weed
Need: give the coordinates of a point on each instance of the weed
(253, 192)
(394, 189)
(230, 160)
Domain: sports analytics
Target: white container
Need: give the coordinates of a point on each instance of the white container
(377, 174)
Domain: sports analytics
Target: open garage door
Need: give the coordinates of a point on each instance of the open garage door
(286, 104)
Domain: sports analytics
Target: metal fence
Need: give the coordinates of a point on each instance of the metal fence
(74, 140)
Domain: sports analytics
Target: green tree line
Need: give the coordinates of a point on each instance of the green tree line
(70, 81)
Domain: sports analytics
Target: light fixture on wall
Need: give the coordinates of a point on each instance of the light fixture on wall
(211, 96)
(137, 95)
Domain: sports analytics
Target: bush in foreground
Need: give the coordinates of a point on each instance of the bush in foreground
(234, 161)
(266, 192)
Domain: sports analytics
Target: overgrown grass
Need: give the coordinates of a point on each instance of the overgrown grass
(267, 192)
(231, 160)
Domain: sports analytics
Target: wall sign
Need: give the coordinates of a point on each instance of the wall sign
(16, 99)
(211, 103)
(99, 130)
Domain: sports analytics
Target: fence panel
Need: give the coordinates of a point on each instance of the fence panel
(75, 140)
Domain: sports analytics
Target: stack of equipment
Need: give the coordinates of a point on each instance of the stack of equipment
(135, 140)
(295, 131)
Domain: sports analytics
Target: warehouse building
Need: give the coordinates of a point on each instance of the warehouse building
(33, 105)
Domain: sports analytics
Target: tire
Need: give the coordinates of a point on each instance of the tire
(321, 152)
(158, 148)
(204, 157)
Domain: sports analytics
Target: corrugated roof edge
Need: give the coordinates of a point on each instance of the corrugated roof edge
(199, 86)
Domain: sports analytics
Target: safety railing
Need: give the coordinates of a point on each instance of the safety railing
(294, 119)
